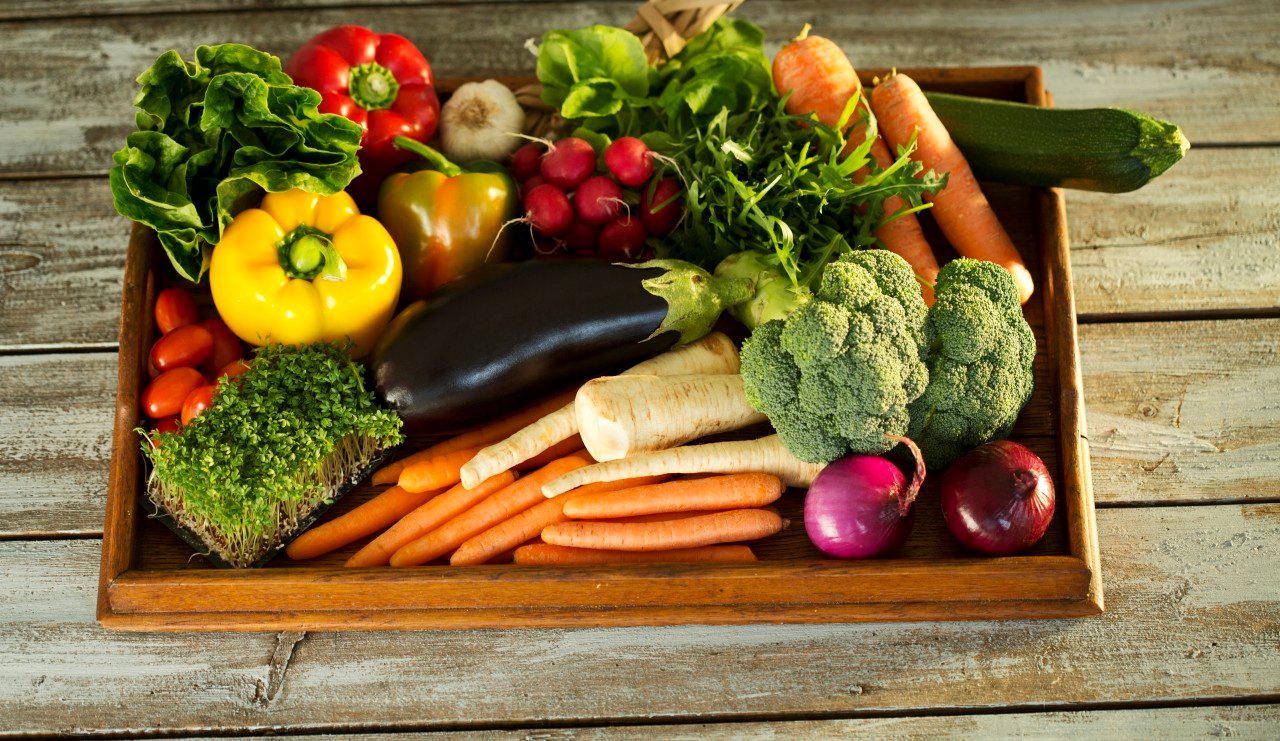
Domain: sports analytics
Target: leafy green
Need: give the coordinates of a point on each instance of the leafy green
(756, 178)
(212, 135)
(276, 444)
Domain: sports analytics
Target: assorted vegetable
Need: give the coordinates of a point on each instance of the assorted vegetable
(776, 192)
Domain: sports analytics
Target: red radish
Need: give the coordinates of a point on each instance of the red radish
(524, 162)
(598, 199)
(569, 162)
(622, 240)
(998, 498)
(548, 210)
(530, 184)
(860, 505)
(661, 207)
(581, 236)
(630, 161)
(200, 399)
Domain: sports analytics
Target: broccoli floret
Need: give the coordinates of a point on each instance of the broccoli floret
(980, 353)
(837, 375)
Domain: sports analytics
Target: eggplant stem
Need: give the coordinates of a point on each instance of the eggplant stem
(908, 497)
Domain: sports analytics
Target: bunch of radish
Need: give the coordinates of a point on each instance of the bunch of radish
(578, 208)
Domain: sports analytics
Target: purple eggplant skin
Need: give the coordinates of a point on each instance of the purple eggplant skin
(506, 335)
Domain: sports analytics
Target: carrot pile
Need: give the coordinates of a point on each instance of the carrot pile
(430, 515)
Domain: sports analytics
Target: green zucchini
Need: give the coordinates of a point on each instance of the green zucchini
(1104, 149)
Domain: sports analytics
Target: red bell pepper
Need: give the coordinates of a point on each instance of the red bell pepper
(380, 81)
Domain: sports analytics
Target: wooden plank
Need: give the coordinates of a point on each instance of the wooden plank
(1202, 64)
(1193, 612)
(1236, 721)
(61, 260)
(1183, 411)
(1222, 445)
(1204, 236)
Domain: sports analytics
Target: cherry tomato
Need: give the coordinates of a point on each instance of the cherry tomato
(168, 424)
(184, 347)
(200, 399)
(226, 346)
(233, 369)
(175, 308)
(163, 397)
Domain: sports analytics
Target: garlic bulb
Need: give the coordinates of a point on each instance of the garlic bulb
(479, 122)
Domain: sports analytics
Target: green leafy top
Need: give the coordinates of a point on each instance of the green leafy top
(212, 135)
(756, 179)
(275, 444)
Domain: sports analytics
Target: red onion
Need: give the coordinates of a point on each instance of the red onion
(860, 505)
(998, 498)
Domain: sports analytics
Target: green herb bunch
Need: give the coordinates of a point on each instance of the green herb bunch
(756, 178)
(213, 134)
(278, 442)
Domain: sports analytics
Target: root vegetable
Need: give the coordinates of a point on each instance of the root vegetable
(660, 207)
(568, 162)
(731, 491)
(545, 554)
(623, 415)
(548, 211)
(622, 239)
(765, 455)
(598, 200)
(525, 161)
(714, 353)
(630, 161)
(690, 532)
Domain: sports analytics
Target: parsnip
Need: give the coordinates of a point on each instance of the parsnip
(766, 455)
(714, 353)
(620, 416)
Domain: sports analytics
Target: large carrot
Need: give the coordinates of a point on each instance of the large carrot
(501, 505)
(766, 455)
(525, 526)
(544, 554)
(715, 353)
(962, 211)
(426, 518)
(690, 532)
(437, 471)
(822, 81)
(367, 519)
(734, 491)
(481, 436)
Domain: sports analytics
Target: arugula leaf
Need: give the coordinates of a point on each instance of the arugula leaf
(212, 135)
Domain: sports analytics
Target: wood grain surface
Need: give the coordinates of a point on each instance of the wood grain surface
(1209, 66)
(1180, 413)
(1193, 612)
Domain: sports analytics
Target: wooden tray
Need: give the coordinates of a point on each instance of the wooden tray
(150, 580)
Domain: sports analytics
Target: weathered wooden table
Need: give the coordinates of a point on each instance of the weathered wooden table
(1178, 288)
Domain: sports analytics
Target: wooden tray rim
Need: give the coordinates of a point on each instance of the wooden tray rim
(441, 597)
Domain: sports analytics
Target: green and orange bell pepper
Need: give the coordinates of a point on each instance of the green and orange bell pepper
(445, 221)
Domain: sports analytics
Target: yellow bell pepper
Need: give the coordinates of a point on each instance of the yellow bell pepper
(302, 268)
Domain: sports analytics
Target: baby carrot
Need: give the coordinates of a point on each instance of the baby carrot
(436, 472)
(734, 491)
(689, 532)
(525, 526)
(501, 505)
(962, 211)
(485, 434)
(543, 554)
(367, 519)
(425, 519)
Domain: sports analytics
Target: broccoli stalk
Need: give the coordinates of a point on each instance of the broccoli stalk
(838, 374)
(773, 295)
(980, 353)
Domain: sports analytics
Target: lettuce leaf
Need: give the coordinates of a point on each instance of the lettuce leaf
(213, 134)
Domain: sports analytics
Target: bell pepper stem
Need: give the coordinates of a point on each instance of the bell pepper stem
(307, 254)
(373, 87)
(438, 160)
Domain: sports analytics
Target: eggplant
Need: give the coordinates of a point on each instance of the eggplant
(498, 338)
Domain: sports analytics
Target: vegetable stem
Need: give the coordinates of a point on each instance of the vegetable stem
(437, 160)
